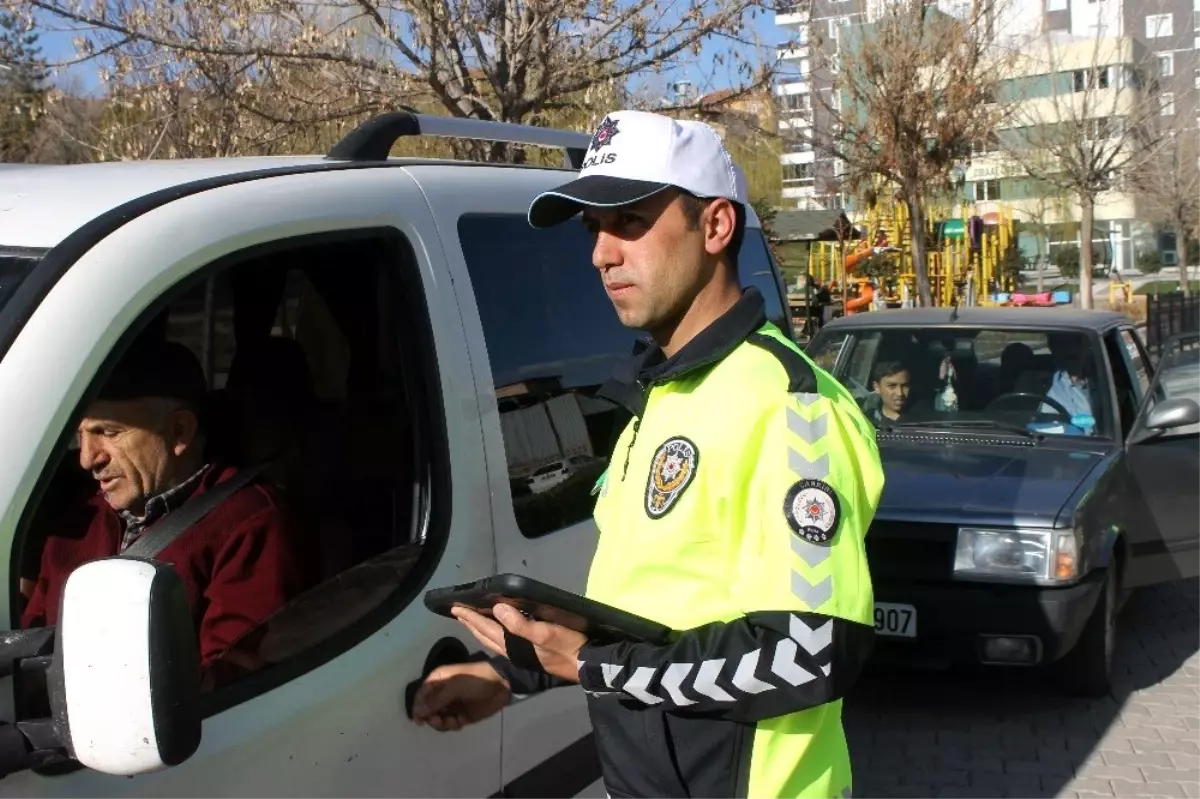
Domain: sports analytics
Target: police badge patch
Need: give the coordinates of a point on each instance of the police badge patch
(812, 511)
(604, 134)
(672, 470)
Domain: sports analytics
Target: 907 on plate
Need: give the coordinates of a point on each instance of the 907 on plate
(895, 620)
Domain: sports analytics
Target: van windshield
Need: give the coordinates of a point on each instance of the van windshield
(1032, 381)
(15, 266)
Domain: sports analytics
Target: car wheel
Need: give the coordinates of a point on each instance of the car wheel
(1087, 669)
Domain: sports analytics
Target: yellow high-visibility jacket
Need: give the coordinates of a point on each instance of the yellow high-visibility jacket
(734, 510)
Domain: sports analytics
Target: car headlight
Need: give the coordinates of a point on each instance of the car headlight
(1044, 557)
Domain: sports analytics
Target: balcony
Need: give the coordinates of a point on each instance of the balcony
(798, 191)
(790, 16)
(797, 53)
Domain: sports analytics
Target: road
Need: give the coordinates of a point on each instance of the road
(1011, 734)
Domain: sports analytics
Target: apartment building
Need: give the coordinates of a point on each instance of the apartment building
(1169, 28)
(804, 91)
(1093, 87)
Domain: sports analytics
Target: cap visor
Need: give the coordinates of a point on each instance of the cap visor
(598, 191)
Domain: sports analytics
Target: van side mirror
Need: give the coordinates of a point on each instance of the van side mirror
(1172, 413)
(124, 684)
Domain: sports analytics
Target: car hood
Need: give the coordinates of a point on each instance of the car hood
(980, 484)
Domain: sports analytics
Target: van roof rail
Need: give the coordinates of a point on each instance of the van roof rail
(373, 139)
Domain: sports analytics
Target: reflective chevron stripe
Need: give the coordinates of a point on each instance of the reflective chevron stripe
(811, 432)
(706, 681)
(672, 678)
(745, 679)
(638, 683)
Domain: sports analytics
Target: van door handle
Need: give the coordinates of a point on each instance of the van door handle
(446, 651)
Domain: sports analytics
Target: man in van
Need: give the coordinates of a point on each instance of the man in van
(734, 509)
(143, 442)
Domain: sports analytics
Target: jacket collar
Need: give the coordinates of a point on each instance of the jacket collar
(648, 366)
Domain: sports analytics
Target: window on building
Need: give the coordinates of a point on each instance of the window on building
(1168, 104)
(835, 26)
(1166, 65)
(552, 339)
(1102, 77)
(983, 191)
(1158, 26)
(798, 172)
(1079, 82)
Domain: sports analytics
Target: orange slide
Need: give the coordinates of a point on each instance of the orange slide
(862, 301)
(865, 250)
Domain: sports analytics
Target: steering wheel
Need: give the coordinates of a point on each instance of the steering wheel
(1040, 398)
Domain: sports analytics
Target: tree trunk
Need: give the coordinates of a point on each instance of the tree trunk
(1088, 207)
(1041, 265)
(1181, 255)
(916, 231)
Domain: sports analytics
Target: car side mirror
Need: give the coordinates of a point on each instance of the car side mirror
(1172, 413)
(125, 681)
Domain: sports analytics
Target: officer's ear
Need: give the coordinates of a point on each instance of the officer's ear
(719, 223)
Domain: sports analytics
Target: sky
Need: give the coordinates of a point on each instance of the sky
(58, 46)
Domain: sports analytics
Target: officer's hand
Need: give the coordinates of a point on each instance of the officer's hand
(460, 694)
(557, 647)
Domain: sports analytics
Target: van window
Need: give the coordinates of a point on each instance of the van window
(319, 372)
(15, 266)
(552, 339)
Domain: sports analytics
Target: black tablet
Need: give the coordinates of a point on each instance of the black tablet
(544, 602)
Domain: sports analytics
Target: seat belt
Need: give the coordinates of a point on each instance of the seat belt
(174, 524)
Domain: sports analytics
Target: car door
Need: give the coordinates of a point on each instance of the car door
(534, 363)
(1164, 466)
(329, 717)
(544, 337)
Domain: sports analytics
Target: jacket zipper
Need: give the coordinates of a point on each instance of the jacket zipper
(637, 421)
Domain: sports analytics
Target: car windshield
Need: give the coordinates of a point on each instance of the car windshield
(1024, 382)
(15, 266)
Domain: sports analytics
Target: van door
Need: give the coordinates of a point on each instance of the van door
(544, 336)
(1165, 469)
(326, 287)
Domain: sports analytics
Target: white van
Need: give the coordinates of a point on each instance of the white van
(437, 328)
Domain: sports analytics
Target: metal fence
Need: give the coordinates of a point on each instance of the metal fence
(1167, 315)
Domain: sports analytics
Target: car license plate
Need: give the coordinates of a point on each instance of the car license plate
(895, 620)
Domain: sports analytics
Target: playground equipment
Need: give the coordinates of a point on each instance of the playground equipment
(964, 254)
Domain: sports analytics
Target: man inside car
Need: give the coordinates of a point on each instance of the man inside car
(1070, 386)
(143, 442)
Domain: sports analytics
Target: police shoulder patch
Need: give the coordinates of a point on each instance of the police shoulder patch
(671, 471)
(812, 511)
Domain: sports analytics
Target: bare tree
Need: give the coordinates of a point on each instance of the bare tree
(1088, 121)
(1168, 186)
(912, 90)
(289, 64)
(22, 87)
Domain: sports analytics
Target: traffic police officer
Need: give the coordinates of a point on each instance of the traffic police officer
(734, 508)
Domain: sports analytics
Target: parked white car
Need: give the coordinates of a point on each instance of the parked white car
(414, 289)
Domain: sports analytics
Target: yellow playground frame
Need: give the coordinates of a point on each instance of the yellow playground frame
(955, 267)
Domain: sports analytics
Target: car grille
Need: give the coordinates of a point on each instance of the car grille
(910, 550)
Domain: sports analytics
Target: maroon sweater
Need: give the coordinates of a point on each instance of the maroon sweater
(238, 563)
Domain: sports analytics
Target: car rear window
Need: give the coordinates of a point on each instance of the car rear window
(1054, 382)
